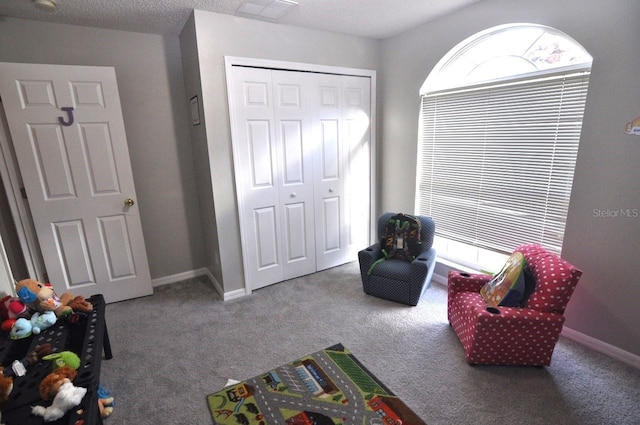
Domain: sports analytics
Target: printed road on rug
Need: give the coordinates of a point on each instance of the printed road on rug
(330, 387)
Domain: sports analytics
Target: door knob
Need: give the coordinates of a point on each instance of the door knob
(129, 202)
(293, 194)
(330, 190)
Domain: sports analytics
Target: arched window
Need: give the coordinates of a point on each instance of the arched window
(500, 122)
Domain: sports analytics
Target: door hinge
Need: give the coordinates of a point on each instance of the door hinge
(23, 193)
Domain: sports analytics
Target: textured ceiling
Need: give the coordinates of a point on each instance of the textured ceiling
(368, 18)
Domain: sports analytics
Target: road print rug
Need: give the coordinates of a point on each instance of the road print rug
(330, 387)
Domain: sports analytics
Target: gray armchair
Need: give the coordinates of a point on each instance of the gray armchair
(399, 280)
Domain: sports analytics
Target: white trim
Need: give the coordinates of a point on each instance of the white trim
(232, 295)
(7, 286)
(214, 281)
(455, 265)
(12, 180)
(602, 347)
(439, 279)
(229, 63)
(188, 275)
(179, 276)
(296, 66)
(225, 296)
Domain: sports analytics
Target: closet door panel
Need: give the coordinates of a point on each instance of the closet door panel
(266, 237)
(327, 124)
(292, 153)
(329, 154)
(331, 219)
(260, 155)
(301, 151)
(257, 177)
(357, 139)
(295, 161)
(295, 223)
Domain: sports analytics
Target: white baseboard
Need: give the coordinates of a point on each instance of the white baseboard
(442, 280)
(225, 296)
(602, 347)
(232, 295)
(180, 276)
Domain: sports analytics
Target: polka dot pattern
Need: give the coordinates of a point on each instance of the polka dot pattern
(398, 280)
(555, 279)
(513, 336)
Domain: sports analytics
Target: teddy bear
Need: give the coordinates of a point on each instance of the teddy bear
(42, 297)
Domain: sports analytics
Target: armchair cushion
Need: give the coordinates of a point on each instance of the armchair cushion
(554, 277)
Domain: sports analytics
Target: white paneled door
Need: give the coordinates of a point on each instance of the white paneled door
(303, 194)
(68, 132)
(342, 130)
(274, 174)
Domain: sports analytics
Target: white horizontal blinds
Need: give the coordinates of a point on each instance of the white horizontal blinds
(496, 161)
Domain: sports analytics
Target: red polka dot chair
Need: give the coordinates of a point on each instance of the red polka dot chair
(513, 335)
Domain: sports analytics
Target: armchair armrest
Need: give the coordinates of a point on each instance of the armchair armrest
(518, 316)
(423, 265)
(374, 251)
(366, 258)
(465, 282)
(510, 326)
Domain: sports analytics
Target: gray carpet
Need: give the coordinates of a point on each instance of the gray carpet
(174, 348)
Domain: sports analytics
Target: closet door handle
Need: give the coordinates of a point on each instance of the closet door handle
(293, 194)
(330, 190)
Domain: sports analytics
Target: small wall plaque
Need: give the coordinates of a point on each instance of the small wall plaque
(195, 111)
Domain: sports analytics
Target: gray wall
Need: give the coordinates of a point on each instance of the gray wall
(150, 80)
(604, 305)
(175, 215)
(219, 35)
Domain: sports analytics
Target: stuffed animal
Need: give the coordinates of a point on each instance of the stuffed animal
(7, 374)
(11, 309)
(64, 358)
(105, 407)
(42, 321)
(58, 386)
(43, 298)
(105, 402)
(30, 359)
(23, 328)
(6, 385)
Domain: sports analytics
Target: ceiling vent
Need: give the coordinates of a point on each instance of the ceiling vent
(266, 9)
(45, 4)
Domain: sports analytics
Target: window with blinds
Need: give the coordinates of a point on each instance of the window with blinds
(496, 161)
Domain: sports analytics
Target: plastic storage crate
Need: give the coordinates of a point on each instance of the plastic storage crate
(87, 337)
